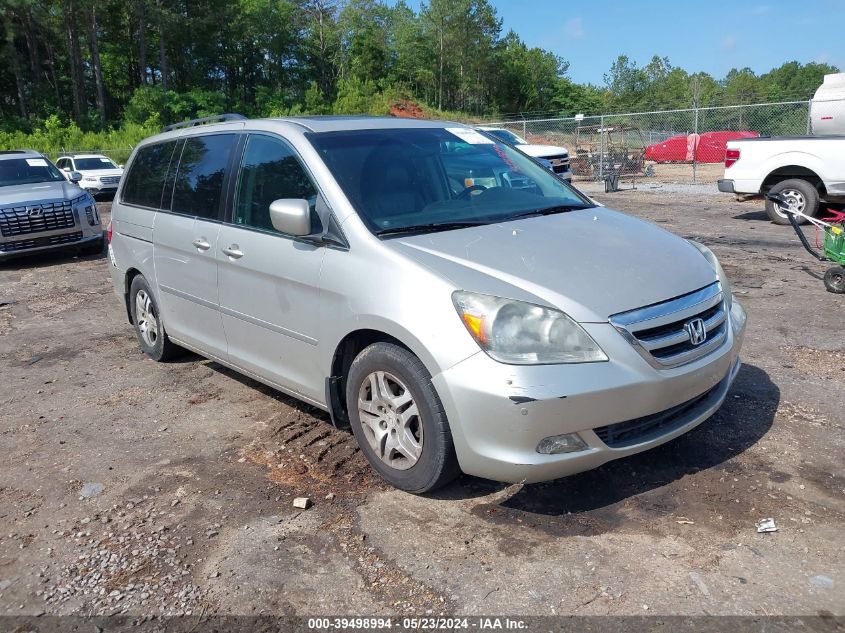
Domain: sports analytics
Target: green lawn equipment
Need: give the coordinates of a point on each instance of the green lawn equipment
(833, 248)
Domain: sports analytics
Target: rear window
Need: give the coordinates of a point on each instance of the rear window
(199, 180)
(144, 182)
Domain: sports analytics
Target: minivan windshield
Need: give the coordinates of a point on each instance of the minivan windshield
(25, 171)
(436, 179)
(94, 164)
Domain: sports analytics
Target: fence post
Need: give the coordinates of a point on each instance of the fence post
(809, 117)
(524, 126)
(601, 148)
(695, 148)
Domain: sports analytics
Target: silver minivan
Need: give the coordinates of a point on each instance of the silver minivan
(454, 303)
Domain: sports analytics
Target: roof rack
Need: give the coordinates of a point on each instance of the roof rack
(218, 118)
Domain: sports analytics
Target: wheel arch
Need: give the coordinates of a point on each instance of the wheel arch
(130, 274)
(790, 172)
(352, 344)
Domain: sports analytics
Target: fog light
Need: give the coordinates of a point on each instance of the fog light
(556, 444)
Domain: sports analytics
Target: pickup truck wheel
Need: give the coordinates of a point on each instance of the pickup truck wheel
(398, 419)
(803, 196)
(148, 326)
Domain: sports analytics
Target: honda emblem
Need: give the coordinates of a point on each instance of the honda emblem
(697, 331)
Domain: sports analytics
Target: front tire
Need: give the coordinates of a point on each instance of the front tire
(834, 280)
(398, 419)
(148, 325)
(803, 196)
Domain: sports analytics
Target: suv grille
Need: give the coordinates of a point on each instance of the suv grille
(36, 218)
(52, 240)
(110, 180)
(661, 333)
(642, 429)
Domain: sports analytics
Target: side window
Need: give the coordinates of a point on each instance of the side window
(61, 163)
(269, 171)
(199, 180)
(145, 178)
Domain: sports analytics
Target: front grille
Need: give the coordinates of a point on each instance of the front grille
(52, 240)
(660, 332)
(559, 163)
(110, 180)
(37, 218)
(623, 434)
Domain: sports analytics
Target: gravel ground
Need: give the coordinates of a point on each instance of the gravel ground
(134, 487)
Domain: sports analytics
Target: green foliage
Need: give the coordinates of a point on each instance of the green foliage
(157, 62)
(54, 136)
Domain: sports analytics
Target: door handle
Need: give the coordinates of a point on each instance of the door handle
(201, 244)
(233, 251)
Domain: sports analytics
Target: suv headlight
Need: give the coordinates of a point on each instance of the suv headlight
(520, 333)
(90, 178)
(717, 267)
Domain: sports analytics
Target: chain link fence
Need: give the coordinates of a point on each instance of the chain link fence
(670, 146)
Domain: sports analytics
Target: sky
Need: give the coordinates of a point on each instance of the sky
(710, 35)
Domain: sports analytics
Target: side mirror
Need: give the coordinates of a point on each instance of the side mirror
(291, 216)
(74, 176)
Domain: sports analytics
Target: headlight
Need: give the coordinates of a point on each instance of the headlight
(89, 178)
(717, 267)
(521, 333)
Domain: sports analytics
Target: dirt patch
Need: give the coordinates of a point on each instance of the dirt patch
(311, 455)
(406, 109)
(827, 364)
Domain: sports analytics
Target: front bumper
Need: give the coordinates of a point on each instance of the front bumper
(726, 186)
(97, 188)
(499, 413)
(43, 245)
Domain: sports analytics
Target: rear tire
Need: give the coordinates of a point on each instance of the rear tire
(834, 280)
(398, 419)
(804, 195)
(148, 325)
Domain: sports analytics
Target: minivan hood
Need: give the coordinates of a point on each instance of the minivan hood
(590, 263)
(542, 151)
(38, 192)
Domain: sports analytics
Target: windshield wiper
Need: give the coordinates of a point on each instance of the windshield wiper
(431, 227)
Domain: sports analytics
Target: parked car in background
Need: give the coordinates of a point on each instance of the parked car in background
(708, 147)
(806, 170)
(41, 210)
(558, 157)
(100, 174)
(457, 305)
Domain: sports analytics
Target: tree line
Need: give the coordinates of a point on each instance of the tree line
(102, 64)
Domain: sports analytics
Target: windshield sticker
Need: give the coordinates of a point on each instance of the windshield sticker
(469, 136)
(105, 160)
(36, 162)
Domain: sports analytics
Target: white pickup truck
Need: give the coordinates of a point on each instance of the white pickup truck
(806, 170)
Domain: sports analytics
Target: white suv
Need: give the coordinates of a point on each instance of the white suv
(100, 174)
